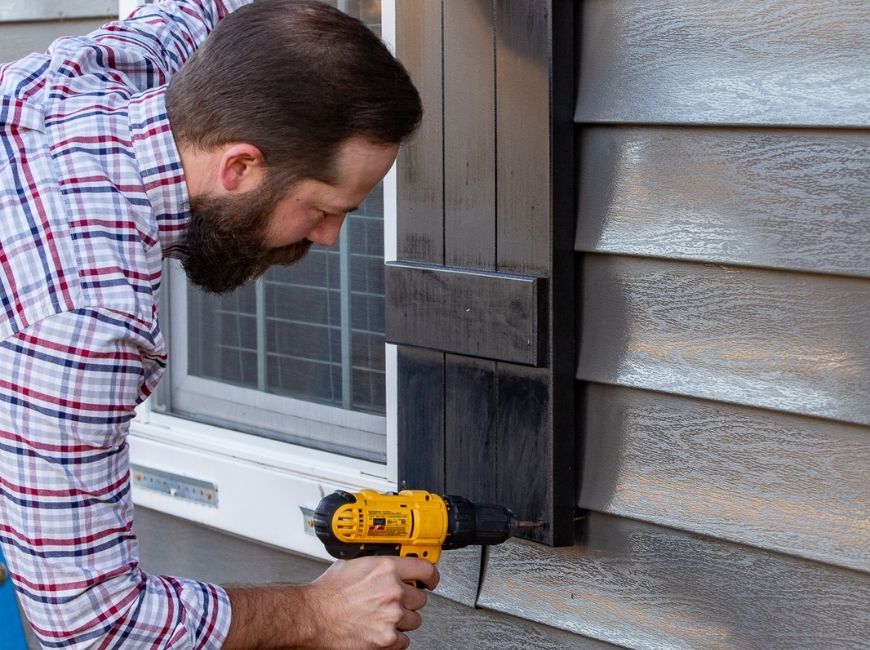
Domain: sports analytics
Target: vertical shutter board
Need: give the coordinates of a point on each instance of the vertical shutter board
(469, 135)
(791, 484)
(421, 419)
(535, 197)
(645, 586)
(471, 412)
(787, 198)
(785, 341)
(523, 95)
(420, 173)
(535, 465)
(787, 62)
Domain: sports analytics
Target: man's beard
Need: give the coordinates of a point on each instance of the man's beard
(224, 244)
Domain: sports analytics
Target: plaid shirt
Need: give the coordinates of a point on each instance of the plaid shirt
(92, 195)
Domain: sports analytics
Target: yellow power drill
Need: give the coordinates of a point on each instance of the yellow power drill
(410, 523)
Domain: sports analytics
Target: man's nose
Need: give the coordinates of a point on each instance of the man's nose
(326, 232)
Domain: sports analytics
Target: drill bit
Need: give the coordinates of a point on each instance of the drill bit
(517, 526)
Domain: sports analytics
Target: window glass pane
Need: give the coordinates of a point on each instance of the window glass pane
(312, 332)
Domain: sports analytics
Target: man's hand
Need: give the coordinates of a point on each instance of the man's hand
(362, 604)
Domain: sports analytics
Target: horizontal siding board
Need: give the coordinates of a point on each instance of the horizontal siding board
(645, 586)
(788, 483)
(19, 39)
(460, 574)
(33, 10)
(772, 339)
(785, 198)
(788, 62)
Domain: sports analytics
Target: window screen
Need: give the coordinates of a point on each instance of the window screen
(299, 354)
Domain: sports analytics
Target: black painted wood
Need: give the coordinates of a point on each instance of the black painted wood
(525, 448)
(524, 165)
(469, 135)
(420, 237)
(421, 419)
(495, 316)
(420, 171)
(472, 468)
(508, 207)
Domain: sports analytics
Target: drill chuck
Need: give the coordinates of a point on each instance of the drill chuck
(476, 523)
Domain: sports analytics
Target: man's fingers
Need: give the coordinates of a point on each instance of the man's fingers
(420, 570)
(409, 621)
(414, 598)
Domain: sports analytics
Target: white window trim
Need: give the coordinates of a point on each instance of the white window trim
(262, 484)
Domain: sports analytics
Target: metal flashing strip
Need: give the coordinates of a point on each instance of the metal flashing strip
(175, 485)
(480, 314)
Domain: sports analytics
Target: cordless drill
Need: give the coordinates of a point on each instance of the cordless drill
(410, 523)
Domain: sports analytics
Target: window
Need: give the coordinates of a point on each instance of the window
(282, 390)
(299, 355)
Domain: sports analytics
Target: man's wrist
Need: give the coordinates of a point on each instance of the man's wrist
(272, 616)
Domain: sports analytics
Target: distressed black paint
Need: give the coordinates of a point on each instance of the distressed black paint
(421, 419)
(471, 413)
(496, 316)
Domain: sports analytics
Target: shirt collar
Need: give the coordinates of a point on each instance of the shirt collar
(159, 165)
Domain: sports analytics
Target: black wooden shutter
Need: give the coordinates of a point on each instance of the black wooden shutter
(485, 234)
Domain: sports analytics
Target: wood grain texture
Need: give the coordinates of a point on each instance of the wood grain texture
(797, 62)
(773, 339)
(420, 425)
(786, 198)
(469, 135)
(451, 626)
(460, 574)
(492, 315)
(57, 10)
(20, 39)
(523, 166)
(644, 586)
(420, 166)
(472, 466)
(792, 484)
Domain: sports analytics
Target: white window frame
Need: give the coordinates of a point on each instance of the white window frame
(263, 485)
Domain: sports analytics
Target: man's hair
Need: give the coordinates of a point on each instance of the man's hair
(295, 78)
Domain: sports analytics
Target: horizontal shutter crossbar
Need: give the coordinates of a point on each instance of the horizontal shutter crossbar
(490, 315)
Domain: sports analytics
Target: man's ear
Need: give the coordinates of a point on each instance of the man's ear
(241, 167)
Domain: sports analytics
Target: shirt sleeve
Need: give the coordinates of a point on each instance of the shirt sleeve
(68, 388)
(151, 44)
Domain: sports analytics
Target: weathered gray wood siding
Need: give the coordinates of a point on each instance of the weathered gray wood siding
(31, 25)
(723, 249)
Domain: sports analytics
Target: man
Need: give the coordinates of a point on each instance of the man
(282, 121)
